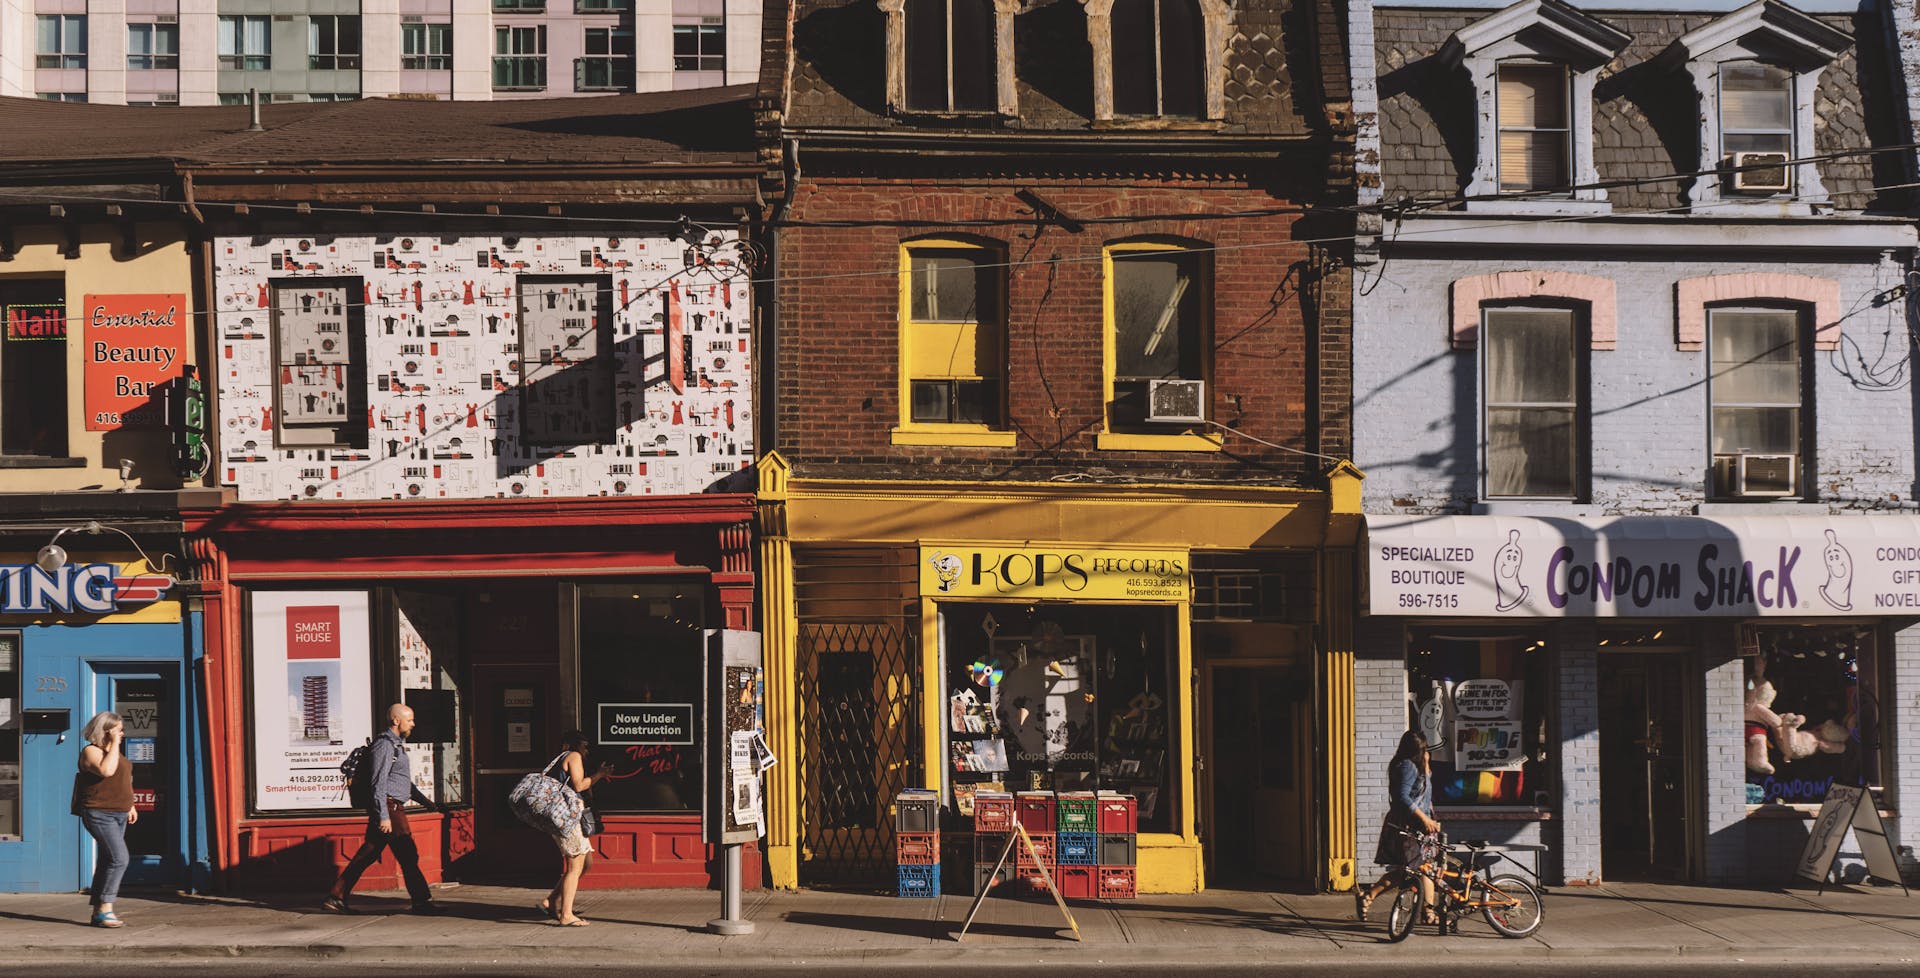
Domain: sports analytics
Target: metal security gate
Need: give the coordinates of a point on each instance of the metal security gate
(860, 710)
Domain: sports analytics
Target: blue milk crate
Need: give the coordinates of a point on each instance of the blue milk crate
(920, 881)
(1077, 848)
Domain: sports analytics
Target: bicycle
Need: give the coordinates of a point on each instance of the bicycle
(1511, 905)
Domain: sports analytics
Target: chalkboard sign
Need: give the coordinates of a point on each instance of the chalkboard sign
(646, 723)
(1848, 807)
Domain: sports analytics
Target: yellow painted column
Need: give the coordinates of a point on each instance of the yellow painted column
(779, 634)
(1172, 862)
(1336, 667)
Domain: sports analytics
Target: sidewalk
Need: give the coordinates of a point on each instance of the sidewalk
(812, 928)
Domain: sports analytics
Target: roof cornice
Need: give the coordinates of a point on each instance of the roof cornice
(1812, 41)
(1584, 39)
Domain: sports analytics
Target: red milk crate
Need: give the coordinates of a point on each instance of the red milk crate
(1118, 813)
(917, 848)
(992, 812)
(1115, 882)
(1075, 882)
(1035, 810)
(1043, 844)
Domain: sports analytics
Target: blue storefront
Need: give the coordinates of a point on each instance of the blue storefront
(92, 636)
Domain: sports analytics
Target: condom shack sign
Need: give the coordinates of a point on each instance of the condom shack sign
(133, 346)
(1644, 566)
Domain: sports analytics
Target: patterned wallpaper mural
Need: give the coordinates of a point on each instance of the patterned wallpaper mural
(393, 367)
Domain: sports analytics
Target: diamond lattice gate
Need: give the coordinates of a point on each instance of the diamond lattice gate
(860, 710)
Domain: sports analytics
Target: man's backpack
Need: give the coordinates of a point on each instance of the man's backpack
(358, 771)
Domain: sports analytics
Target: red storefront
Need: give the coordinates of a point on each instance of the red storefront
(503, 623)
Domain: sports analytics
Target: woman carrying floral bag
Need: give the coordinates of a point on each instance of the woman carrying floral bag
(568, 778)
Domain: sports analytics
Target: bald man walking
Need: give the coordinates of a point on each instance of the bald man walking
(387, 817)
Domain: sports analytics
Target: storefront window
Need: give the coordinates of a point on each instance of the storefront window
(10, 738)
(1812, 711)
(640, 693)
(428, 628)
(1481, 701)
(1062, 697)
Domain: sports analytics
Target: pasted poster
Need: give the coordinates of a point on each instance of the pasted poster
(312, 695)
(134, 346)
(1486, 725)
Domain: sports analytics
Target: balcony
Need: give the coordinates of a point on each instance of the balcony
(603, 73)
(519, 72)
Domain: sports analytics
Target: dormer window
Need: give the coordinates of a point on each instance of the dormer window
(950, 56)
(1159, 42)
(1171, 56)
(1756, 71)
(1535, 143)
(1532, 67)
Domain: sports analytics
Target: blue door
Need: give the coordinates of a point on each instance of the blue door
(39, 748)
(147, 696)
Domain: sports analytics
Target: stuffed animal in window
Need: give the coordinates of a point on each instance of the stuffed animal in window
(1833, 735)
(1762, 724)
(1795, 743)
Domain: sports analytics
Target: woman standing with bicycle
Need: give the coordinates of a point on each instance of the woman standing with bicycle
(1409, 834)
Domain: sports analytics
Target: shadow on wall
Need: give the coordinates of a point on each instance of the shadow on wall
(838, 42)
(1446, 97)
(727, 127)
(1649, 88)
(1052, 55)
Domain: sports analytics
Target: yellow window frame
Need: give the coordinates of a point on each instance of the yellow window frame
(1190, 440)
(952, 434)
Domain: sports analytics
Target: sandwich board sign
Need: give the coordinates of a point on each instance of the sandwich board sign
(1848, 807)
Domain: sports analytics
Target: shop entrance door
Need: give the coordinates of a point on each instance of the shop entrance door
(147, 697)
(516, 730)
(1646, 738)
(1256, 762)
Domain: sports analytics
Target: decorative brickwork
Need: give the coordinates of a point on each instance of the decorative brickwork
(1695, 294)
(1470, 293)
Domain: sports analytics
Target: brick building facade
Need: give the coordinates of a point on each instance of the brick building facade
(1626, 341)
(1041, 312)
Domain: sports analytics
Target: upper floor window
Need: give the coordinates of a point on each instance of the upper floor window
(333, 42)
(519, 58)
(1532, 68)
(33, 368)
(952, 350)
(1535, 134)
(62, 41)
(566, 360)
(1158, 45)
(246, 43)
(608, 65)
(700, 45)
(1534, 430)
(1756, 116)
(151, 46)
(427, 47)
(1756, 383)
(1157, 298)
(320, 363)
(1749, 106)
(950, 56)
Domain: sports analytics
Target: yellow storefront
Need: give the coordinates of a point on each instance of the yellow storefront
(1187, 644)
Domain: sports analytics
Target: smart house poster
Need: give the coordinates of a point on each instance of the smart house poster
(312, 695)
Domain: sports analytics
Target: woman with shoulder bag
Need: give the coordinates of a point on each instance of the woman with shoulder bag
(570, 769)
(103, 798)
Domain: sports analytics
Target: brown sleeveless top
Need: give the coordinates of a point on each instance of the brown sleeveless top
(114, 793)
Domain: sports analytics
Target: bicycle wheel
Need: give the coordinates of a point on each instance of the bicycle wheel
(1406, 910)
(1511, 905)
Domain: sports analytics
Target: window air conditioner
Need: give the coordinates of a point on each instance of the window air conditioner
(171, 98)
(1772, 175)
(167, 19)
(1177, 400)
(1752, 476)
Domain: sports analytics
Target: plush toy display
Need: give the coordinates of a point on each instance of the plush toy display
(1762, 723)
(1834, 735)
(1795, 743)
(1788, 731)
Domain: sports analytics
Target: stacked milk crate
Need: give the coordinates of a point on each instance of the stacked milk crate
(993, 817)
(916, 832)
(1085, 841)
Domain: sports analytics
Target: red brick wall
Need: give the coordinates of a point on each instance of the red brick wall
(1274, 332)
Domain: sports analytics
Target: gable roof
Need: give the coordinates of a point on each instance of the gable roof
(1583, 40)
(701, 126)
(1781, 28)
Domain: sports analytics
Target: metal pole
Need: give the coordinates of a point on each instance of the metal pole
(731, 923)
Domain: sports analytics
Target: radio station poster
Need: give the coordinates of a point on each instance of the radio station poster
(312, 695)
(134, 346)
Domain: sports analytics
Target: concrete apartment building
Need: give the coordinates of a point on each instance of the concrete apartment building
(207, 52)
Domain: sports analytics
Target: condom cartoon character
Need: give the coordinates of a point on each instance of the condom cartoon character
(947, 567)
(1508, 592)
(1838, 591)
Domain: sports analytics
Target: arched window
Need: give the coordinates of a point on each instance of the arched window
(950, 56)
(1157, 57)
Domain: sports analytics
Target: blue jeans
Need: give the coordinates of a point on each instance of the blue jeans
(109, 829)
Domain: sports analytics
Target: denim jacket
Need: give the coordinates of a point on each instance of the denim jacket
(1409, 790)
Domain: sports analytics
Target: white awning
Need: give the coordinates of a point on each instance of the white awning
(1644, 566)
